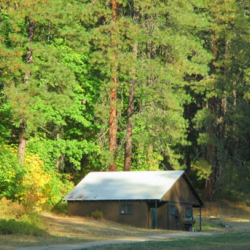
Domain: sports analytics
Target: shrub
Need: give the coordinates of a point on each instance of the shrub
(17, 219)
(36, 185)
(11, 173)
(60, 208)
(13, 226)
(10, 209)
(97, 214)
(43, 188)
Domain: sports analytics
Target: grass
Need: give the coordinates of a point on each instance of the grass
(16, 219)
(231, 241)
(20, 228)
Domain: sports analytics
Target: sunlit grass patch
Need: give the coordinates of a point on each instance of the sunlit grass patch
(231, 241)
(16, 219)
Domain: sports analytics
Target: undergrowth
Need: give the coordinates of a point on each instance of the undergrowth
(17, 219)
(97, 214)
(60, 208)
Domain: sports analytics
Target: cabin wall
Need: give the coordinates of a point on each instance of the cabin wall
(111, 211)
(166, 220)
(173, 221)
(162, 216)
(181, 192)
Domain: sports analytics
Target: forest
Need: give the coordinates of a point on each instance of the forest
(120, 85)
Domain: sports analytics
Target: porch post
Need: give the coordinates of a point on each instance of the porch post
(155, 214)
(200, 218)
(168, 218)
(149, 217)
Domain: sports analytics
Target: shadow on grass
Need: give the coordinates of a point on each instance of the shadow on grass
(13, 226)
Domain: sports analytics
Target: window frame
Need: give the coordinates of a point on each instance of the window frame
(189, 212)
(172, 212)
(126, 209)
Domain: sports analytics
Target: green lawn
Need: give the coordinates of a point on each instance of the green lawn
(227, 241)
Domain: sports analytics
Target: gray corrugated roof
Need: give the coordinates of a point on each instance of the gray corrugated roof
(141, 185)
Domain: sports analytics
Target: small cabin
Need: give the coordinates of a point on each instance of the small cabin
(146, 199)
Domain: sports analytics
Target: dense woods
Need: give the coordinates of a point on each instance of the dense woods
(123, 85)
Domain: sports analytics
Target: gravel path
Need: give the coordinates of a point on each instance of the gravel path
(122, 240)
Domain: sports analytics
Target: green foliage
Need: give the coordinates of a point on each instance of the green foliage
(202, 168)
(32, 183)
(97, 214)
(191, 80)
(72, 150)
(43, 187)
(5, 119)
(60, 208)
(11, 173)
(19, 227)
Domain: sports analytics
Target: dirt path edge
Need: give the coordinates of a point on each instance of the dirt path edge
(123, 240)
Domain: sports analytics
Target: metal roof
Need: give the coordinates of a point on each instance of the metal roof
(140, 185)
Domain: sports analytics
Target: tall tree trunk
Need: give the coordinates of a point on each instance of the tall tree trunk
(113, 96)
(22, 141)
(60, 163)
(23, 123)
(113, 127)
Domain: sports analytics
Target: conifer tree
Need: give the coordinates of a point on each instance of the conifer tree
(227, 36)
(168, 58)
(130, 112)
(23, 123)
(37, 85)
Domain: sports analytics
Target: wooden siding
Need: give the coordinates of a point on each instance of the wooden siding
(181, 192)
(162, 216)
(111, 211)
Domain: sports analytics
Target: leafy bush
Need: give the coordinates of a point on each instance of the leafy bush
(11, 173)
(43, 188)
(60, 208)
(36, 185)
(97, 214)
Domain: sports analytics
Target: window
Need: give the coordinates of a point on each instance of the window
(126, 209)
(188, 212)
(172, 210)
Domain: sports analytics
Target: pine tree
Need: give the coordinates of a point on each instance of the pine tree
(226, 38)
(170, 60)
(130, 112)
(37, 85)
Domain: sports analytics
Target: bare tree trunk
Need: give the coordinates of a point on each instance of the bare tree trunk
(113, 97)
(60, 163)
(112, 127)
(23, 123)
(21, 141)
